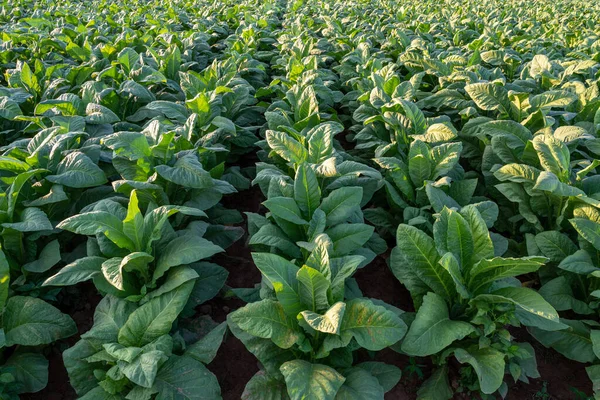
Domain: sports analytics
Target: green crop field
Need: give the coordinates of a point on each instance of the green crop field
(299, 200)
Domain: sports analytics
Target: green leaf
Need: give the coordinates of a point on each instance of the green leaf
(341, 203)
(286, 147)
(154, 318)
(306, 381)
(307, 191)
(272, 235)
(98, 114)
(183, 378)
(483, 246)
(330, 322)
(588, 229)
(286, 209)
(79, 270)
(485, 272)
(420, 165)
(77, 170)
(433, 330)
(282, 275)
(436, 387)
(574, 342)
(30, 371)
(96, 223)
(348, 237)
(49, 257)
(265, 387)
(554, 155)
(360, 385)
(387, 375)
(312, 288)
(530, 307)
(4, 280)
(489, 96)
(29, 321)
(9, 109)
(453, 234)
(419, 252)
(205, 349)
(555, 245)
(266, 319)
(488, 364)
(374, 327)
(32, 220)
(182, 251)
(320, 141)
(143, 369)
(187, 172)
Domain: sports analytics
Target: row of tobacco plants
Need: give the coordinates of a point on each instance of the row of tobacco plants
(458, 140)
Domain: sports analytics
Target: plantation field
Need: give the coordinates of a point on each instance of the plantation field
(299, 200)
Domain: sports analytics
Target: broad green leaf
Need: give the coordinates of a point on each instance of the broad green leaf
(286, 147)
(77, 170)
(49, 257)
(154, 318)
(79, 270)
(265, 387)
(320, 141)
(98, 222)
(30, 371)
(307, 191)
(436, 387)
(360, 385)
(488, 364)
(183, 378)
(374, 327)
(205, 349)
(530, 307)
(574, 342)
(348, 237)
(433, 330)
(312, 289)
(452, 233)
(553, 154)
(282, 275)
(306, 381)
(29, 321)
(187, 172)
(182, 251)
(419, 251)
(341, 203)
(330, 322)
(266, 319)
(387, 375)
(32, 220)
(485, 272)
(286, 209)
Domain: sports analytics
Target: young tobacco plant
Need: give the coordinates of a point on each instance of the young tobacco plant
(304, 330)
(137, 256)
(298, 214)
(411, 186)
(546, 187)
(574, 286)
(27, 323)
(465, 296)
(129, 354)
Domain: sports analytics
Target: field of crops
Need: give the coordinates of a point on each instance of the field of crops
(303, 200)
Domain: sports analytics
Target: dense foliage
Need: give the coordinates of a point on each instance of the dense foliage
(459, 140)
